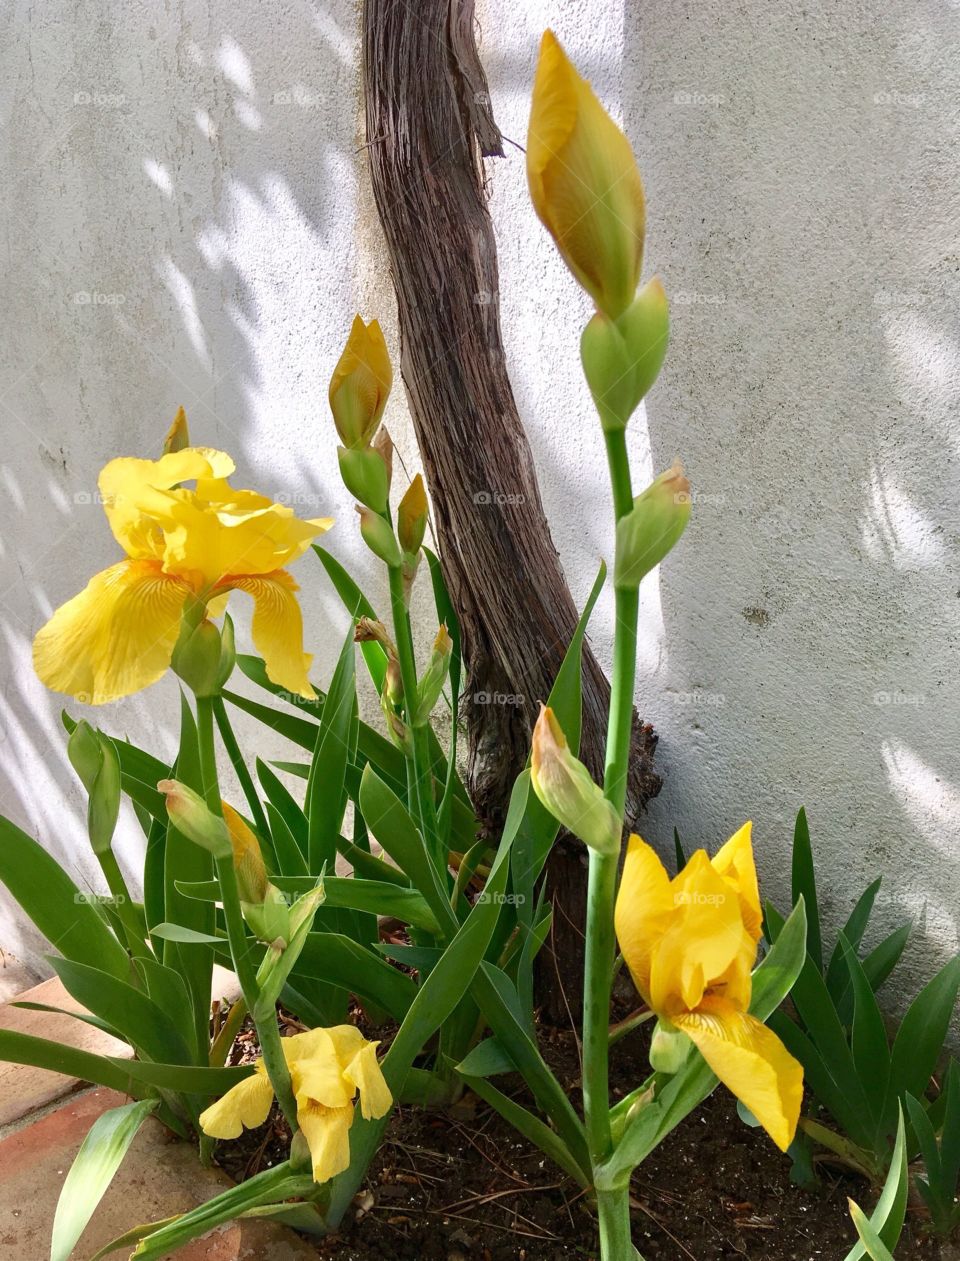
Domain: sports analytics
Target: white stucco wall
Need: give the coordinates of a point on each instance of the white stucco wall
(197, 173)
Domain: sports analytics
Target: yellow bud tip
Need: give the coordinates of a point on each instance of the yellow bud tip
(443, 643)
(548, 738)
(178, 435)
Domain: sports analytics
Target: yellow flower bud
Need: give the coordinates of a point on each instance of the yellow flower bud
(622, 358)
(647, 533)
(584, 182)
(178, 435)
(383, 445)
(360, 384)
(412, 517)
(565, 787)
(191, 815)
(252, 881)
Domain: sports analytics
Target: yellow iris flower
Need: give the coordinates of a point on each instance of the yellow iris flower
(328, 1069)
(117, 636)
(584, 182)
(690, 944)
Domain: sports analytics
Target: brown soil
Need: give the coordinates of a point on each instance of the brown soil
(463, 1186)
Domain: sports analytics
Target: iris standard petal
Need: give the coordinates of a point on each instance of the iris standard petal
(734, 861)
(644, 907)
(327, 1131)
(317, 1074)
(245, 1105)
(114, 638)
(704, 937)
(752, 1063)
(278, 629)
(365, 1073)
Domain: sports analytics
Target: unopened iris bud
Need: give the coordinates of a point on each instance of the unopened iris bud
(380, 538)
(360, 385)
(433, 678)
(393, 682)
(622, 358)
(412, 517)
(565, 787)
(178, 435)
(203, 656)
(191, 816)
(669, 1048)
(365, 476)
(252, 880)
(584, 182)
(95, 759)
(652, 527)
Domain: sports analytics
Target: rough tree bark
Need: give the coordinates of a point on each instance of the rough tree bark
(429, 125)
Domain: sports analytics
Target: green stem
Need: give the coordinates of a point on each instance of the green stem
(134, 926)
(268, 1031)
(423, 785)
(613, 1209)
(613, 1206)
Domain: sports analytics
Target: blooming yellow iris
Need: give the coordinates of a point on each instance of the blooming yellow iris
(690, 944)
(117, 636)
(328, 1068)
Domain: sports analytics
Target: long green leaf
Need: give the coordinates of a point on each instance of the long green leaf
(921, 1036)
(888, 1217)
(98, 1159)
(68, 918)
(805, 885)
(326, 795)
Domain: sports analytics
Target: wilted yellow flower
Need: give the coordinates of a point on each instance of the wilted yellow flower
(690, 944)
(564, 785)
(118, 635)
(360, 384)
(584, 182)
(328, 1069)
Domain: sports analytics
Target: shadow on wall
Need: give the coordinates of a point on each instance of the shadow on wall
(803, 196)
(179, 212)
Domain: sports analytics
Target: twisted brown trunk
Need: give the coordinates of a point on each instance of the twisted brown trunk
(429, 125)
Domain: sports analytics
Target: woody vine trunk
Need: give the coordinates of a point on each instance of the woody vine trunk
(429, 127)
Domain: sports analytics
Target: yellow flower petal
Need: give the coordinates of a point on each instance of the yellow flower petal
(704, 937)
(365, 1073)
(644, 908)
(317, 1072)
(752, 1062)
(115, 637)
(136, 494)
(278, 629)
(584, 182)
(245, 1105)
(327, 1131)
(734, 861)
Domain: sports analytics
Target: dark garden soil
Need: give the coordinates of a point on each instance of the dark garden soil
(461, 1185)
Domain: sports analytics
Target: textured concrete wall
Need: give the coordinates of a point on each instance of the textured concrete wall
(197, 174)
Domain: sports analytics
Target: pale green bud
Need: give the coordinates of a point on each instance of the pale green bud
(365, 476)
(191, 816)
(652, 527)
(565, 787)
(669, 1048)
